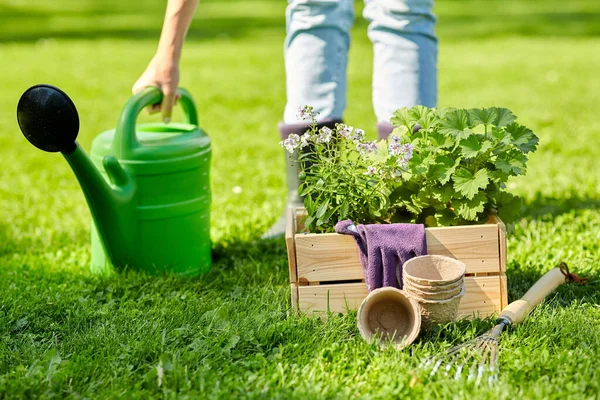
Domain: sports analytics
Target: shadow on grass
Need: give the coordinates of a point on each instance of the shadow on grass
(544, 208)
(520, 280)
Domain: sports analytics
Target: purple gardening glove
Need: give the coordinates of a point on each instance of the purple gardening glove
(384, 248)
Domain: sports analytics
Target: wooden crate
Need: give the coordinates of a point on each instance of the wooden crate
(326, 273)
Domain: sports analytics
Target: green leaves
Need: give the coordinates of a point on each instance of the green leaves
(458, 165)
(503, 117)
(468, 184)
(473, 146)
(523, 138)
(468, 209)
(485, 116)
(511, 162)
(509, 206)
(456, 124)
(443, 169)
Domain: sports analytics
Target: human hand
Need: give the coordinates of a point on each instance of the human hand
(162, 72)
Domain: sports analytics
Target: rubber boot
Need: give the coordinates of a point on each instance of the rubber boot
(384, 129)
(292, 168)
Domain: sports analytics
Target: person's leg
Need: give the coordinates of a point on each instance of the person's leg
(405, 56)
(316, 54)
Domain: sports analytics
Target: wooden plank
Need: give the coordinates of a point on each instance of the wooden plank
(482, 297)
(294, 295)
(327, 257)
(504, 287)
(330, 257)
(502, 242)
(475, 245)
(290, 231)
(342, 297)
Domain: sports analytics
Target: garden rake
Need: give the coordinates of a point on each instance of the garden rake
(480, 355)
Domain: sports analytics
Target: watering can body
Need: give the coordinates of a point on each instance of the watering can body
(161, 174)
(147, 186)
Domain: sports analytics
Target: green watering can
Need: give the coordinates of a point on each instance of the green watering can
(147, 185)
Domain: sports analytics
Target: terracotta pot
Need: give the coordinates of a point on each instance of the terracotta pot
(433, 270)
(434, 293)
(439, 311)
(389, 316)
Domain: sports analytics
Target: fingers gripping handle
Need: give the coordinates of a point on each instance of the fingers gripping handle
(125, 141)
(518, 310)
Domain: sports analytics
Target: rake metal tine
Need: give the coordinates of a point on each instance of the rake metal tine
(479, 348)
(484, 358)
(458, 371)
(435, 367)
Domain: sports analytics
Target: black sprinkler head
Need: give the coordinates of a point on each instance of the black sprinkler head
(48, 118)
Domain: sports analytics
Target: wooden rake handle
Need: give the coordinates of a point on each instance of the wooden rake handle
(518, 310)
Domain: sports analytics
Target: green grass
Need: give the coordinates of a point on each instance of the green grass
(66, 333)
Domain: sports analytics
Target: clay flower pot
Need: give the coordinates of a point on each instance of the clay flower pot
(434, 293)
(433, 270)
(389, 316)
(439, 311)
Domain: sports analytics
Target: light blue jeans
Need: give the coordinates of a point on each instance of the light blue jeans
(316, 55)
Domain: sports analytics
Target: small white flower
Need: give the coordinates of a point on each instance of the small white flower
(304, 112)
(371, 170)
(366, 148)
(325, 136)
(394, 148)
(408, 151)
(291, 143)
(304, 139)
(359, 135)
(345, 130)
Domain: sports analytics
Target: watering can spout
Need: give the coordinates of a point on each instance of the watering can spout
(49, 120)
(111, 206)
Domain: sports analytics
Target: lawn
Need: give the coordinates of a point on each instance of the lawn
(67, 333)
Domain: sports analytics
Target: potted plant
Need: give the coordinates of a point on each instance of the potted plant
(446, 168)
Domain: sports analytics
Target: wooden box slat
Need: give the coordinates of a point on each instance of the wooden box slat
(330, 257)
(482, 293)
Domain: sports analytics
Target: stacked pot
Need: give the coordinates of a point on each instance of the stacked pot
(437, 284)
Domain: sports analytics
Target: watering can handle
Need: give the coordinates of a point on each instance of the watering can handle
(125, 139)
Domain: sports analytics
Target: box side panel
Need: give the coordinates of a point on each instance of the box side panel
(331, 257)
(294, 295)
(504, 289)
(482, 297)
(290, 244)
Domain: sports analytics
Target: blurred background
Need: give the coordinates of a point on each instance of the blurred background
(537, 57)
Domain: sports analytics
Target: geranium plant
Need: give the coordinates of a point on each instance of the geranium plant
(439, 167)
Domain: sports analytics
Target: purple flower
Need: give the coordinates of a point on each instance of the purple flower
(368, 147)
(325, 136)
(291, 143)
(359, 135)
(407, 149)
(304, 139)
(344, 130)
(304, 112)
(395, 147)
